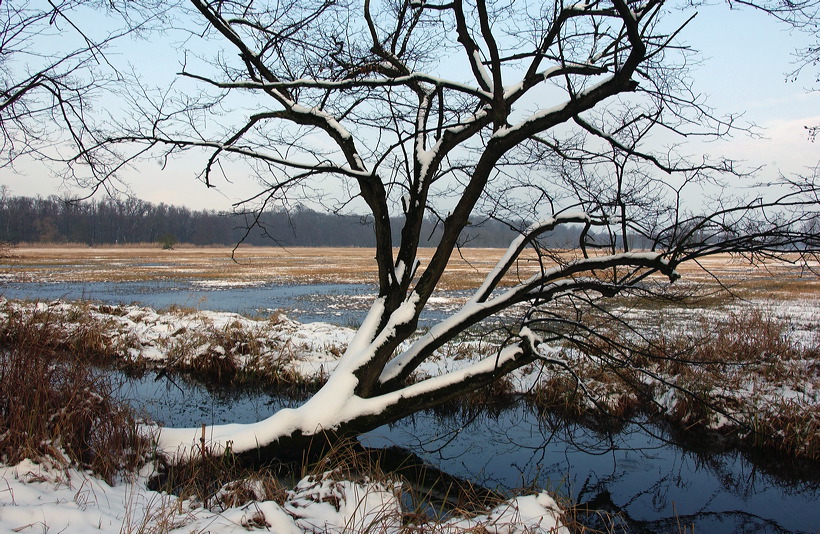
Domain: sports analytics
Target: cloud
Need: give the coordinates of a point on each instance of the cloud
(784, 146)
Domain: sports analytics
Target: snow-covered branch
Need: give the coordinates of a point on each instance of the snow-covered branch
(350, 83)
(545, 286)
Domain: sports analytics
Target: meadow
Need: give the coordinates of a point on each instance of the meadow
(300, 265)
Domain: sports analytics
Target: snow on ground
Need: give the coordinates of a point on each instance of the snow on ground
(147, 336)
(311, 350)
(45, 498)
(226, 284)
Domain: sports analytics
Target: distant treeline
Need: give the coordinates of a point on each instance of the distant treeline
(123, 221)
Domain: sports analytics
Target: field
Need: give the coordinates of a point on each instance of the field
(250, 265)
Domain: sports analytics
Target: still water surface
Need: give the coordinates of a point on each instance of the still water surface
(336, 303)
(657, 486)
(654, 484)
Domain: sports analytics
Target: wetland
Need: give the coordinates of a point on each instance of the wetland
(651, 475)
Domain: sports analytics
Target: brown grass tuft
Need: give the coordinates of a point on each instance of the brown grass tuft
(216, 479)
(59, 328)
(54, 405)
(725, 375)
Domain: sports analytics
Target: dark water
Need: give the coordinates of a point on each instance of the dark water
(656, 486)
(653, 484)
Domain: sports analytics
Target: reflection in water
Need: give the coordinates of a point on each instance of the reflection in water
(655, 486)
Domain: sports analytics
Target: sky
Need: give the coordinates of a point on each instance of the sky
(746, 58)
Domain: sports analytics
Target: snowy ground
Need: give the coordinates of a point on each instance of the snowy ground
(43, 498)
(278, 348)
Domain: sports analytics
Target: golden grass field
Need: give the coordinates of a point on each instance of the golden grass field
(343, 265)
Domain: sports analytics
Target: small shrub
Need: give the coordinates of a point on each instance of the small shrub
(6, 249)
(168, 241)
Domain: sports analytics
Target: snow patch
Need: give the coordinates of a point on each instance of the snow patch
(41, 497)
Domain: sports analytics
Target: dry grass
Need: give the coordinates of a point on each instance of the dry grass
(743, 378)
(238, 353)
(54, 406)
(249, 264)
(73, 329)
(215, 479)
(301, 265)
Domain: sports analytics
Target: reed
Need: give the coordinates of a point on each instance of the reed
(55, 407)
(720, 375)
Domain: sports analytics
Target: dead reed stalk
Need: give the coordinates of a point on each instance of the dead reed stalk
(55, 406)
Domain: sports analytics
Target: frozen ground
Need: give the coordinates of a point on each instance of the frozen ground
(44, 498)
(280, 347)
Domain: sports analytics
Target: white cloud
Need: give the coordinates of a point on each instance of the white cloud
(784, 146)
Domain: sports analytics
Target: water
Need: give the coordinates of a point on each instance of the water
(335, 303)
(341, 304)
(655, 485)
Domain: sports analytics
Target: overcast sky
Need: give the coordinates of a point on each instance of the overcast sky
(746, 56)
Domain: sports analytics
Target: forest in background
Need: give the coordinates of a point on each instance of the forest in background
(126, 221)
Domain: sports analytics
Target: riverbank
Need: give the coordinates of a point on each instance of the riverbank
(40, 496)
(230, 348)
(74, 459)
(748, 375)
(737, 372)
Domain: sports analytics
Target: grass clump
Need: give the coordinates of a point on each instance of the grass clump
(214, 478)
(54, 406)
(746, 375)
(411, 494)
(59, 327)
(240, 352)
(743, 377)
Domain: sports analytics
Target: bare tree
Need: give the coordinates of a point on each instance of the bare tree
(55, 69)
(542, 115)
(42, 93)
